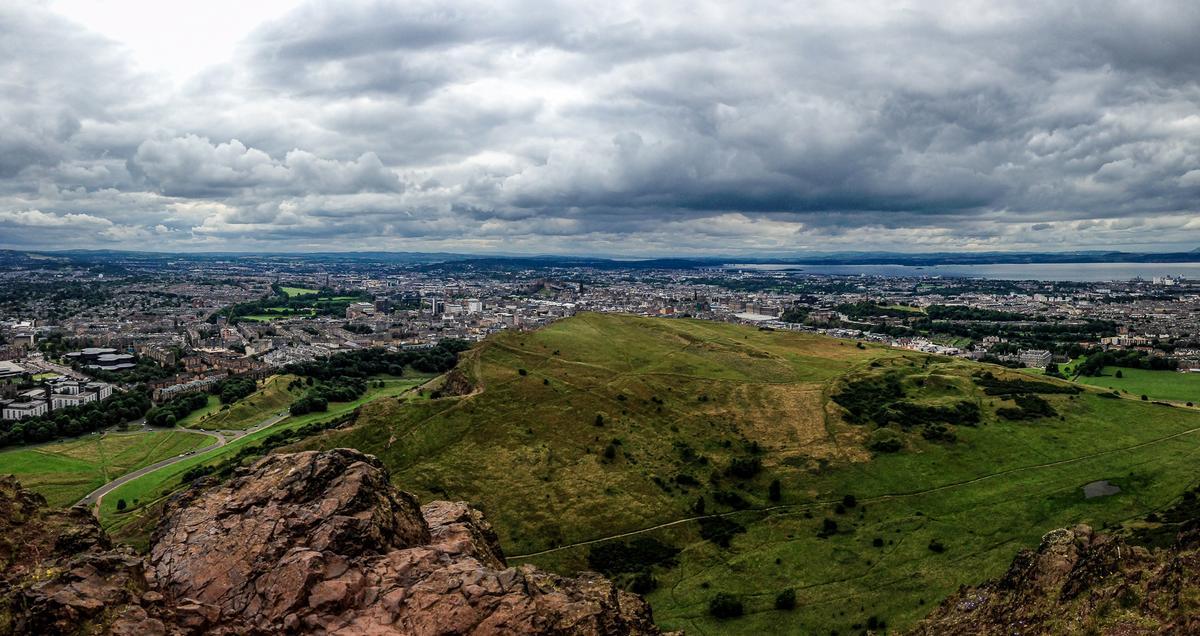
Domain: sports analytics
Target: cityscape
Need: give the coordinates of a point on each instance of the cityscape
(646, 318)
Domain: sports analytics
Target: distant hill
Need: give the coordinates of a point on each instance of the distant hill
(871, 482)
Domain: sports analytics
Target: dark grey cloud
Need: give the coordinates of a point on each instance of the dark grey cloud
(639, 127)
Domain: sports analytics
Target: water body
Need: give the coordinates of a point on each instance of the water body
(1100, 489)
(1077, 272)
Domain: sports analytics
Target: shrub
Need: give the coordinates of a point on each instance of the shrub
(744, 468)
(522, 372)
(885, 440)
(786, 599)
(719, 530)
(121, 505)
(774, 491)
(936, 546)
(635, 556)
(725, 606)
(599, 420)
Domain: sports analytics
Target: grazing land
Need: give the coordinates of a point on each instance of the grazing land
(298, 291)
(134, 525)
(870, 481)
(63, 472)
(1156, 385)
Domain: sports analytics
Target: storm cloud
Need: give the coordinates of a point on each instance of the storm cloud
(626, 128)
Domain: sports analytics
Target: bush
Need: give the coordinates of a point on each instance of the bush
(936, 546)
(121, 505)
(744, 468)
(725, 606)
(635, 556)
(786, 599)
(774, 491)
(720, 530)
(885, 440)
(522, 372)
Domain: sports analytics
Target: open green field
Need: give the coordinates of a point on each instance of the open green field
(681, 403)
(1156, 385)
(270, 399)
(275, 315)
(153, 487)
(63, 472)
(298, 291)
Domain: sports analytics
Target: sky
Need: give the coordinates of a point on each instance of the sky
(620, 128)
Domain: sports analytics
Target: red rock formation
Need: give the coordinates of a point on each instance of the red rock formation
(311, 542)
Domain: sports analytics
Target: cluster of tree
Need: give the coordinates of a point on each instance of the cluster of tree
(320, 394)
(234, 388)
(167, 414)
(633, 561)
(960, 312)
(720, 530)
(374, 361)
(1028, 407)
(326, 302)
(358, 328)
(1095, 362)
(795, 313)
(993, 385)
(75, 420)
(868, 309)
(1056, 337)
(865, 399)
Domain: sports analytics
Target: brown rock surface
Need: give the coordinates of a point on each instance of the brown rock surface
(309, 542)
(1081, 582)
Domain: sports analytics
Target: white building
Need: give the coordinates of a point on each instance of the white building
(1034, 358)
(22, 410)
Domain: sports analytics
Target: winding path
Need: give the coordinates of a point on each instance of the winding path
(94, 498)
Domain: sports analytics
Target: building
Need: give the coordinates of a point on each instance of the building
(1035, 358)
(66, 393)
(359, 310)
(474, 306)
(19, 410)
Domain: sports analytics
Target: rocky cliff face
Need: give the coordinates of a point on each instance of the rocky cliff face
(316, 543)
(1081, 582)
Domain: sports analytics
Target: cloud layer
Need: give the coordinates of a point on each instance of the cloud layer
(617, 128)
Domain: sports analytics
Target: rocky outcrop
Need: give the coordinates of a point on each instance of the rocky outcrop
(1081, 582)
(315, 543)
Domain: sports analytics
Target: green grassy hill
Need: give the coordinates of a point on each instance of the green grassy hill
(64, 472)
(1156, 385)
(598, 433)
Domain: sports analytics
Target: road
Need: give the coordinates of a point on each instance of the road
(94, 498)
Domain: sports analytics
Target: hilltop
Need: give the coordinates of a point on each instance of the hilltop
(691, 459)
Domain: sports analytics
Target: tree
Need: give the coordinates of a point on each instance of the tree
(786, 599)
(773, 493)
(1118, 374)
(725, 605)
(599, 420)
(121, 505)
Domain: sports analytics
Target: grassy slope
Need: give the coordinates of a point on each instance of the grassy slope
(63, 472)
(155, 486)
(298, 291)
(1157, 385)
(248, 411)
(529, 454)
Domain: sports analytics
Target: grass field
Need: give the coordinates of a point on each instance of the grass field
(63, 472)
(680, 400)
(155, 486)
(271, 398)
(298, 291)
(1156, 385)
